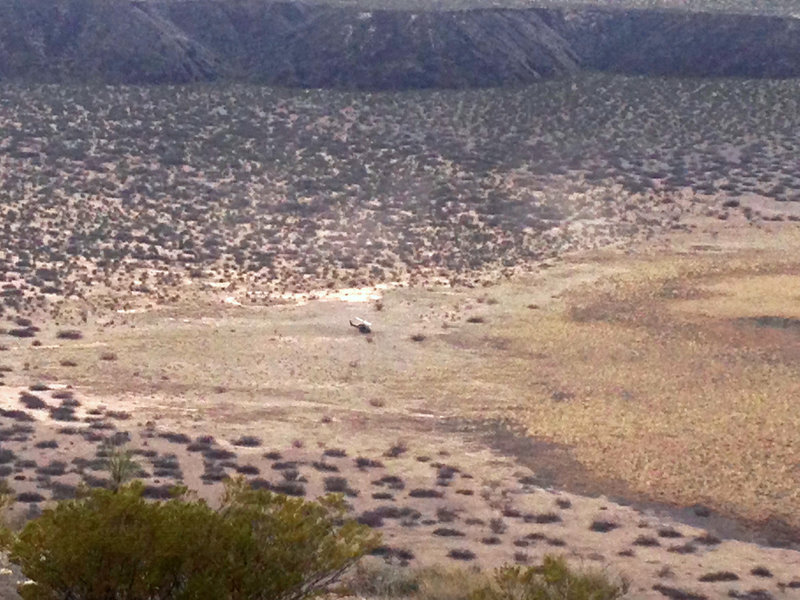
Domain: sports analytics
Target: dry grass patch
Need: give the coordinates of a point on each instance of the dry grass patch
(674, 393)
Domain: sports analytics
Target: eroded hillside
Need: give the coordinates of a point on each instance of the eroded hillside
(333, 45)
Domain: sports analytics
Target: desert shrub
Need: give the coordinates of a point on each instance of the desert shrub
(546, 518)
(552, 580)
(17, 415)
(497, 525)
(445, 472)
(29, 497)
(445, 515)
(109, 544)
(325, 467)
(293, 475)
(290, 488)
(167, 466)
(121, 466)
(63, 491)
(32, 401)
(669, 532)
(447, 532)
(62, 413)
(396, 450)
(22, 332)
(603, 526)
(175, 438)
(425, 493)
(683, 549)
(119, 438)
(247, 441)
(371, 518)
(120, 415)
(218, 454)
(335, 483)
(719, 576)
(383, 581)
(646, 540)
(247, 469)
(367, 463)
(521, 557)
(284, 466)
(393, 482)
(461, 554)
(678, 593)
(69, 334)
(55, 468)
(707, 539)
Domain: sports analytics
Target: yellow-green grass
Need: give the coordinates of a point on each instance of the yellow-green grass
(673, 390)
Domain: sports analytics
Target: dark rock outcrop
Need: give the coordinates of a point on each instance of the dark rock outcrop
(321, 46)
(288, 43)
(108, 41)
(684, 44)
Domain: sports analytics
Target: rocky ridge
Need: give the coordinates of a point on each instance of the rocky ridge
(320, 45)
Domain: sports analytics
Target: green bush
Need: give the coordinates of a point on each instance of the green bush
(116, 545)
(552, 580)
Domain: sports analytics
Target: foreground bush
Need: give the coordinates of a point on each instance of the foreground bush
(552, 580)
(258, 545)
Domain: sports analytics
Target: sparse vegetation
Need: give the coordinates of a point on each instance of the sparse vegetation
(603, 526)
(551, 580)
(69, 334)
(248, 441)
(287, 193)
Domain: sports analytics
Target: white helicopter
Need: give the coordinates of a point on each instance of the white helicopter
(362, 325)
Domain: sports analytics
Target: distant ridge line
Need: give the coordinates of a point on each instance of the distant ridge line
(316, 44)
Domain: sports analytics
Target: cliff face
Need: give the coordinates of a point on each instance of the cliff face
(119, 41)
(672, 43)
(324, 46)
(115, 42)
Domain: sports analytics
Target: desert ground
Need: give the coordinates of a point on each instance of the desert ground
(584, 298)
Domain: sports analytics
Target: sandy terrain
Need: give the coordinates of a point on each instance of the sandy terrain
(293, 398)
(587, 346)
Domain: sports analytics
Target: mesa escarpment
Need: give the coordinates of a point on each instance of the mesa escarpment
(321, 45)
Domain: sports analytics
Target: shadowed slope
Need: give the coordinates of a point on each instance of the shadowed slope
(320, 45)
